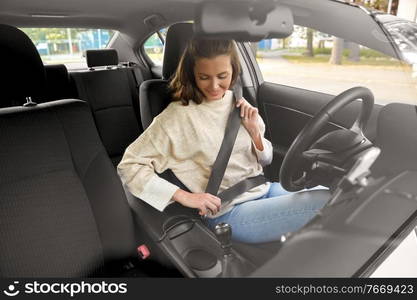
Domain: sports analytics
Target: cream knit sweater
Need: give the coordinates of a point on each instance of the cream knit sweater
(186, 139)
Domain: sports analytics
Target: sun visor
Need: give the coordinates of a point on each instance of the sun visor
(243, 21)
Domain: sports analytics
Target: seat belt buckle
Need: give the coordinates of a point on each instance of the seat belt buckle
(143, 251)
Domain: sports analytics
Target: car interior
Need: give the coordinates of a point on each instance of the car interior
(65, 213)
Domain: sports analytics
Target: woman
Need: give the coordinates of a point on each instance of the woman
(186, 138)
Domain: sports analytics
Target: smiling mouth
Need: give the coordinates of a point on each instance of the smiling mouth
(214, 94)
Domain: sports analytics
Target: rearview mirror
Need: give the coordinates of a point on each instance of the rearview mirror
(243, 21)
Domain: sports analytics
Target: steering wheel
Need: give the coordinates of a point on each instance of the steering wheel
(306, 138)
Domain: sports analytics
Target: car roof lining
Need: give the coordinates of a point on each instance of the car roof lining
(127, 17)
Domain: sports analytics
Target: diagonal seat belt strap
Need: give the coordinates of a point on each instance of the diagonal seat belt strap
(223, 156)
(220, 164)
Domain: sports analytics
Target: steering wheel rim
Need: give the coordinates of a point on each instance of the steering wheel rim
(308, 134)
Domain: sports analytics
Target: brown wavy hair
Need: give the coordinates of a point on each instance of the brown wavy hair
(183, 85)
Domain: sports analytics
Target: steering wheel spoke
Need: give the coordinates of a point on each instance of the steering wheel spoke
(356, 127)
(315, 154)
(302, 180)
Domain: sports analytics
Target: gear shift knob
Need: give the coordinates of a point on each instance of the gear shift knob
(223, 232)
(232, 264)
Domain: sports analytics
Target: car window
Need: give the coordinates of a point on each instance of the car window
(154, 47)
(317, 61)
(67, 45)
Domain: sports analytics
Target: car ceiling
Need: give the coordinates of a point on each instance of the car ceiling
(127, 17)
(123, 15)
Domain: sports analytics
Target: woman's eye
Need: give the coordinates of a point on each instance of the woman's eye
(206, 77)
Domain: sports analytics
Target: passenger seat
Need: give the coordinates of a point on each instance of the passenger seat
(63, 210)
(113, 94)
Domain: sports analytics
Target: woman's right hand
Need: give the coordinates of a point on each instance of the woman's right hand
(206, 203)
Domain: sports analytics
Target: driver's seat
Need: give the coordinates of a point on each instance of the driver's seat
(154, 94)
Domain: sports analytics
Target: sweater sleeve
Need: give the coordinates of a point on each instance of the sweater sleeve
(265, 156)
(148, 154)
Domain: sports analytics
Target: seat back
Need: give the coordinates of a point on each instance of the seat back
(113, 95)
(397, 138)
(63, 211)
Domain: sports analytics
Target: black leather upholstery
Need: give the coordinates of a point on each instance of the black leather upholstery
(102, 57)
(63, 211)
(154, 94)
(112, 95)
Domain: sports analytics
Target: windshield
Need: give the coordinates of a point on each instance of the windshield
(404, 34)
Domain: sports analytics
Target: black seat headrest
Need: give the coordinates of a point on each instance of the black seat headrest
(58, 83)
(58, 70)
(176, 40)
(22, 68)
(102, 57)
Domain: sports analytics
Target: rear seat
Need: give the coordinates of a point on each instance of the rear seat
(113, 94)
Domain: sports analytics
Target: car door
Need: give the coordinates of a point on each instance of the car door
(291, 87)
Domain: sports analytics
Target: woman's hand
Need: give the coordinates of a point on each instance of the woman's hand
(249, 115)
(204, 202)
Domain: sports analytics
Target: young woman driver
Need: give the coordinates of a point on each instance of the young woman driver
(186, 138)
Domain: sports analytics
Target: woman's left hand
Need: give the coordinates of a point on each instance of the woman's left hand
(249, 115)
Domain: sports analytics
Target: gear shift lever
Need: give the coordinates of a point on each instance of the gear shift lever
(232, 266)
(223, 232)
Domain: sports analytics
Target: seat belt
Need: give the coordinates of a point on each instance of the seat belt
(222, 159)
(219, 166)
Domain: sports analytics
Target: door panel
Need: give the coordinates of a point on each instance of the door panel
(286, 110)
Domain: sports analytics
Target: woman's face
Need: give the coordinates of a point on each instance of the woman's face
(213, 76)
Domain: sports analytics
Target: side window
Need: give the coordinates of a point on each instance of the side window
(154, 47)
(316, 61)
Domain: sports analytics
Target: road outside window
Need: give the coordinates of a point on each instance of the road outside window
(313, 60)
(67, 45)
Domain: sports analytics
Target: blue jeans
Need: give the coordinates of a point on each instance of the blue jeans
(267, 218)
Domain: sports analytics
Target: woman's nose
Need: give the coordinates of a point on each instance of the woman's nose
(214, 84)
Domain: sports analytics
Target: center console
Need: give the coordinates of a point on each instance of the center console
(181, 234)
